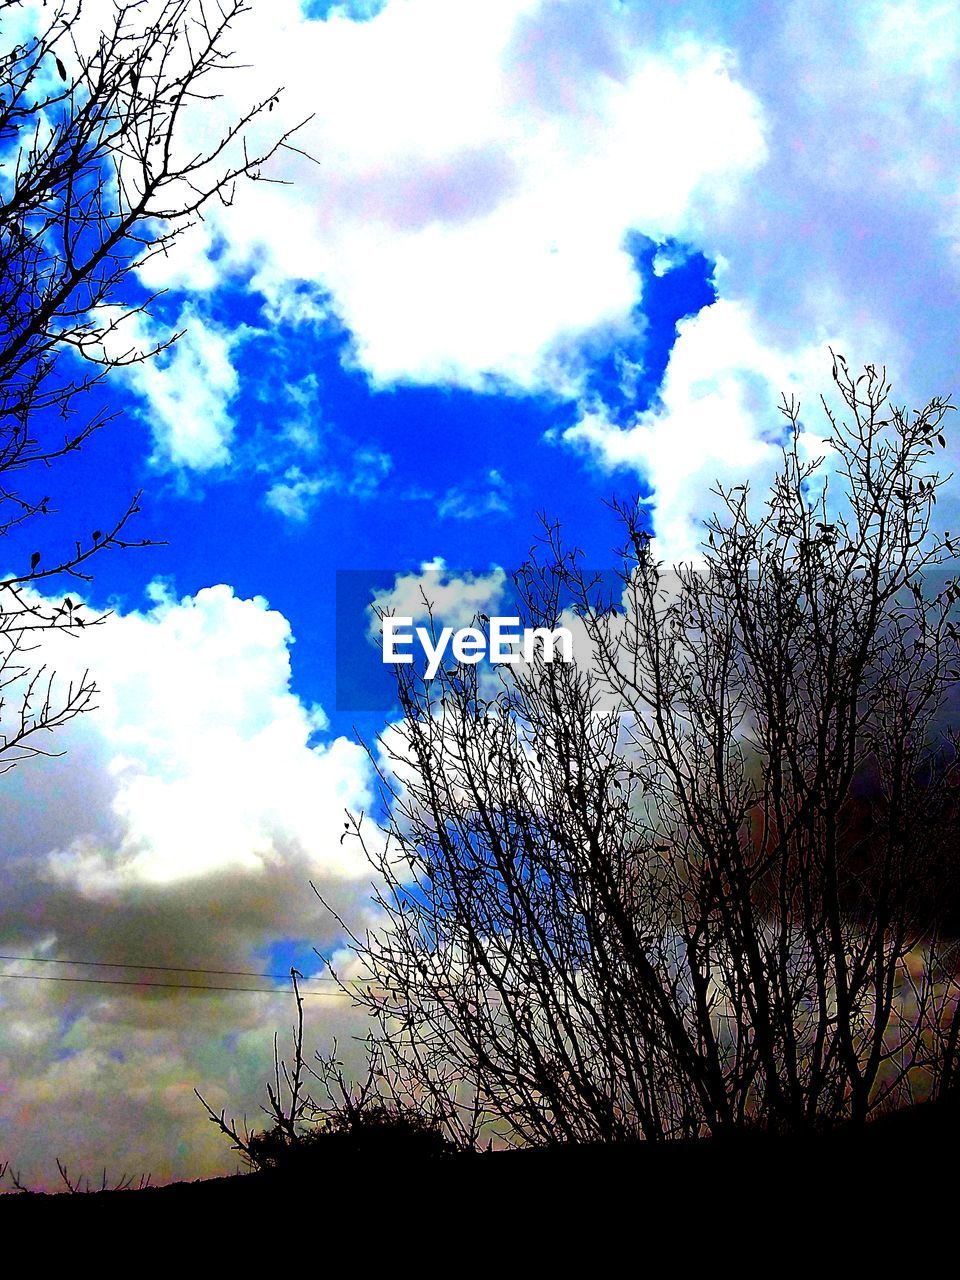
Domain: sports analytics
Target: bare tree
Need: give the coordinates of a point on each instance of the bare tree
(291, 1107)
(697, 883)
(340, 1120)
(95, 179)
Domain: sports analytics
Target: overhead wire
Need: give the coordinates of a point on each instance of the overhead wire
(159, 968)
(334, 986)
(170, 986)
(164, 968)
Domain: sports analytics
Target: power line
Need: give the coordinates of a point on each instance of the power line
(174, 986)
(341, 989)
(338, 986)
(158, 968)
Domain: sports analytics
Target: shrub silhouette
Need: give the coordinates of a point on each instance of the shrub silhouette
(352, 1122)
(373, 1130)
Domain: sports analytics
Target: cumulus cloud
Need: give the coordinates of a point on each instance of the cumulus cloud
(479, 168)
(846, 235)
(194, 806)
(719, 398)
(850, 225)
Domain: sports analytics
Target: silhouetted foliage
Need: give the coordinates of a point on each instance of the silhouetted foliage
(637, 896)
(96, 178)
(372, 1131)
(346, 1122)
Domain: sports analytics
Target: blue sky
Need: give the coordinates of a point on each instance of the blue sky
(547, 252)
(404, 474)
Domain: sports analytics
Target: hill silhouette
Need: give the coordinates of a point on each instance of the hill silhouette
(764, 1181)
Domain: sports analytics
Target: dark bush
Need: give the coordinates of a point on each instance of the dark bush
(350, 1122)
(373, 1130)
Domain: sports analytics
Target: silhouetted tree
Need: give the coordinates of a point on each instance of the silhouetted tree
(308, 1134)
(95, 179)
(695, 883)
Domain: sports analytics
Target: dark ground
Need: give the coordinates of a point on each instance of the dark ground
(898, 1177)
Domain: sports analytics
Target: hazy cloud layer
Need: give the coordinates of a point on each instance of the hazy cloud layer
(192, 810)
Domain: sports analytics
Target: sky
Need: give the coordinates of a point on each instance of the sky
(538, 254)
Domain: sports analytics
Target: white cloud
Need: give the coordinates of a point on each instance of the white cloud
(479, 167)
(186, 390)
(453, 598)
(850, 226)
(297, 493)
(192, 809)
(188, 393)
(716, 418)
(208, 751)
(490, 496)
(848, 234)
